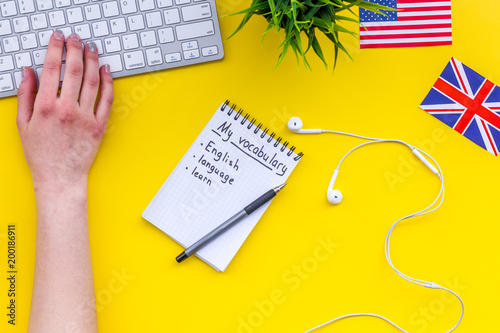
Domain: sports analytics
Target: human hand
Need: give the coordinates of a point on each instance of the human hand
(60, 133)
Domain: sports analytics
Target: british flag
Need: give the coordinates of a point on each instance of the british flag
(468, 103)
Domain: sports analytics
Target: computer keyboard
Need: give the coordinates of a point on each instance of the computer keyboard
(132, 36)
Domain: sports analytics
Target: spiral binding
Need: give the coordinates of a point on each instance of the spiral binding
(251, 123)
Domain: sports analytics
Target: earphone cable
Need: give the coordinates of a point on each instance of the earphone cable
(350, 134)
(430, 208)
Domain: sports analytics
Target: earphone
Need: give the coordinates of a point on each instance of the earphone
(334, 196)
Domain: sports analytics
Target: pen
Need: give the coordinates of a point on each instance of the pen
(229, 223)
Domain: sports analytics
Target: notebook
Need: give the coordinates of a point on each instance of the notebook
(232, 162)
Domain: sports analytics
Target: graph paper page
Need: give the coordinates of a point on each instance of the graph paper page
(227, 167)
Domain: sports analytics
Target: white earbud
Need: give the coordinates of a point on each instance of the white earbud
(295, 125)
(334, 196)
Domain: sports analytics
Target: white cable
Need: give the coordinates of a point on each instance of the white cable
(357, 315)
(350, 134)
(387, 245)
(371, 142)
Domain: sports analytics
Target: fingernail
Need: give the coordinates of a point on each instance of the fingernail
(107, 69)
(58, 34)
(75, 37)
(92, 47)
(23, 72)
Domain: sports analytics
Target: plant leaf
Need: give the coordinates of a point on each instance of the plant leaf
(272, 7)
(317, 49)
(283, 53)
(242, 24)
(305, 16)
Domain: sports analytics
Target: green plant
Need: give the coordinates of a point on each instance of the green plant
(307, 16)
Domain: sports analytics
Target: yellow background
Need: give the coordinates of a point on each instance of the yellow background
(157, 116)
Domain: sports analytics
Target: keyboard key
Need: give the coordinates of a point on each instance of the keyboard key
(23, 59)
(5, 28)
(135, 22)
(148, 38)
(153, 19)
(26, 6)
(173, 57)
(11, 44)
(18, 78)
(6, 83)
(130, 42)
(8, 8)
(83, 30)
(39, 56)
(79, 2)
(66, 31)
(44, 4)
(110, 9)
(194, 30)
(100, 48)
(39, 21)
(182, 2)
(118, 25)
(154, 56)
(134, 60)
(92, 12)
(21, 24)
(146, 5)
(128, 6)
(114, 62)
(100, 28)
(196, 12)
(166, 35)
(62, 72)
(171, 16)
(63, 3)
(189, 46)
(209, 51)
(39, 73)
(191, 54)
(6, 63)
(28, 41)
(44, 37)
(57, 18)
(75, 15)
(165, 3)
(112, 44)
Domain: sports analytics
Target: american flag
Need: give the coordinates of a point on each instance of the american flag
(468, 103)
(417, 23)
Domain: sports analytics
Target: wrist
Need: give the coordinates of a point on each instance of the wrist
(73, 188)
(61, 204)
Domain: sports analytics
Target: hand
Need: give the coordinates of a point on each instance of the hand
(59, 131)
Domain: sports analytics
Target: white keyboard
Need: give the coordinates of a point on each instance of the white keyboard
(133, 36)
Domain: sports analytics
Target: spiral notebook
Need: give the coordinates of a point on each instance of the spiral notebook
(233, 161)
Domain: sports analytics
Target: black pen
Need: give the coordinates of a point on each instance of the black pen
(229, 223)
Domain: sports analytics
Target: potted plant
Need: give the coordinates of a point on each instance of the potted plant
(298, 18)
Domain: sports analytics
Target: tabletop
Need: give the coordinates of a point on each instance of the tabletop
(306, 261)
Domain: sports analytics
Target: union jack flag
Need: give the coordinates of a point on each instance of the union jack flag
(468, 103)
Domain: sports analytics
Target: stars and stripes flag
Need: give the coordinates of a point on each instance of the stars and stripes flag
(468, 103)
(416, 23)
